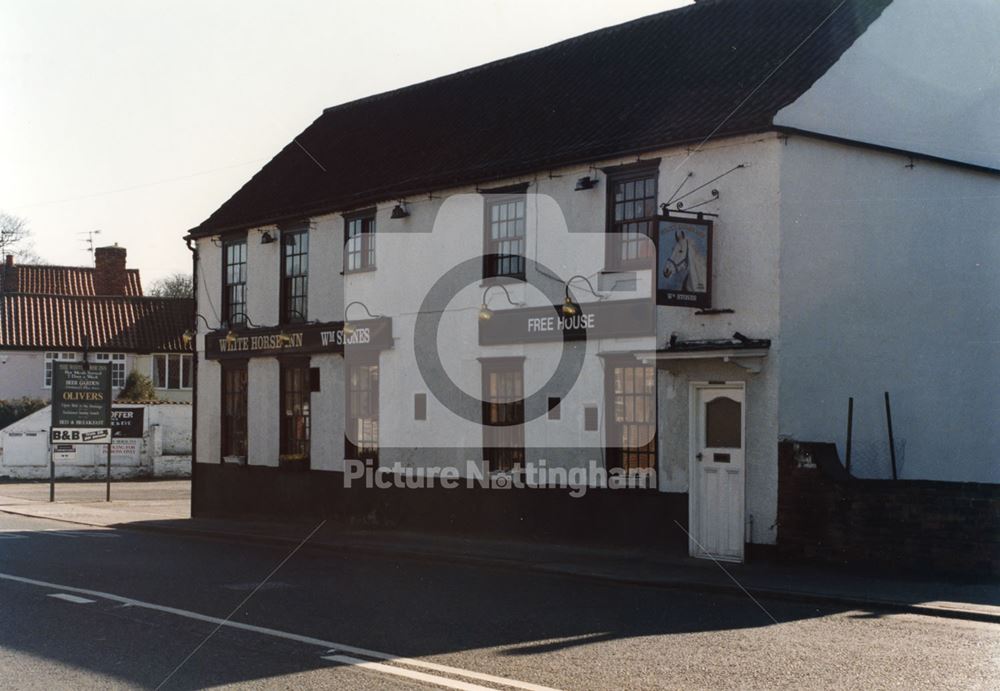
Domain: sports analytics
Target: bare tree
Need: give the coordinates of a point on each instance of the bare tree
(178, 285)
(15, 238)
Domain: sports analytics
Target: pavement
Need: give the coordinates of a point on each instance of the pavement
(163, 507)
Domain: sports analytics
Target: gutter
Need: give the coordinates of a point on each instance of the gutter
(193, 248)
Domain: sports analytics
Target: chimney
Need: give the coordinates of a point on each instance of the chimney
(8, 278)
(109, 271)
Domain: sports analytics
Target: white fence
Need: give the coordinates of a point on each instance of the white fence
(164, 450)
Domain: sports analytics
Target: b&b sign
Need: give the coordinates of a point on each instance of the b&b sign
(81, 403)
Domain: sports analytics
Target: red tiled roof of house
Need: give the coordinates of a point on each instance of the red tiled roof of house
(118, 323)
(43, 279)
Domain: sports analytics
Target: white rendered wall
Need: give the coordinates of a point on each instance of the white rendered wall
(22, 373)
(441, 232)
(163, 450)
(889, 279)
(263, 411)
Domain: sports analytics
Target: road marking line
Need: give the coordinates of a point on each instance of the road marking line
(408, 673)
(11, 536)
(78, 533)
(266, 631)
(76, 599)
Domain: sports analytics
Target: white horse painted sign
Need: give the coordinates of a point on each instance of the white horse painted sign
(684, 267)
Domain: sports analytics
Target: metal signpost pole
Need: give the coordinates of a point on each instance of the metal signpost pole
(107, 489)
(52, 472)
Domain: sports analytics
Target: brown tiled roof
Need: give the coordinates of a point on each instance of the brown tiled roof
(59, 280)
(119, 323)
(710, 69)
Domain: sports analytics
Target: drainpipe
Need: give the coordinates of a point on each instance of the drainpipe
(193, 248)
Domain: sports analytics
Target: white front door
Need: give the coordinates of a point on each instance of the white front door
(718, 444)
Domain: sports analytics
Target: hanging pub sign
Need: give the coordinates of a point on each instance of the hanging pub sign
(684, 266)
(607, 319)
(300, 339)
(81, 403)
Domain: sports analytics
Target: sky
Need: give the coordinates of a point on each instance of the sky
(140, 118)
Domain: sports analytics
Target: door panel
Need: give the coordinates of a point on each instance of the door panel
(717, 471)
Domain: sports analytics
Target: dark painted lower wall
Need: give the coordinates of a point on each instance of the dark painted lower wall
(914, 525)
(623, 517)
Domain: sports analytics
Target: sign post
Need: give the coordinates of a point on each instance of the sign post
(81, 409)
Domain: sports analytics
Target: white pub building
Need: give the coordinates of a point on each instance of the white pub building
(635, 262)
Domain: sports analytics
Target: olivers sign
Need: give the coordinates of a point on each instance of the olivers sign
(329, 337)
(81, 403)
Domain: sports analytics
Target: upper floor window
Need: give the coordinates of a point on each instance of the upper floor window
(294, 275)
(632, 197)
(52, 357)
(117, 362)
(505, 236)
(234, 281)
(172, 371)
(359, 241)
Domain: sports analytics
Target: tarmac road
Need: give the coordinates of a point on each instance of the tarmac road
(88, 607)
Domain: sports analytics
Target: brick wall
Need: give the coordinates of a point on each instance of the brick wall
(911, 525)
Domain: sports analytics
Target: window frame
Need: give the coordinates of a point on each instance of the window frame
(48, 370)
(612, 246)
(234, 318)
(368, 258)
(507, 458)
(491, 200)
(239, 367)
(615, 455)
(153, 375)
(284, 278)
(286, 442)
(114, 359)
(351, 449)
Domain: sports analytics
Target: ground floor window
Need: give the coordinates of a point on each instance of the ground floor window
(295, 411)
(234, 409)
(172, 371)
(53, 357)
(631, 420)
(117, 362)
(361, 430)
(503, 413)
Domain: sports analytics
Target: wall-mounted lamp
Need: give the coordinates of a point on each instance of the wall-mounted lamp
(585, 183)
(570, 307)
(266, 238)
(399, 211)
(350, 328)
(485, 313)
(190, 334)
